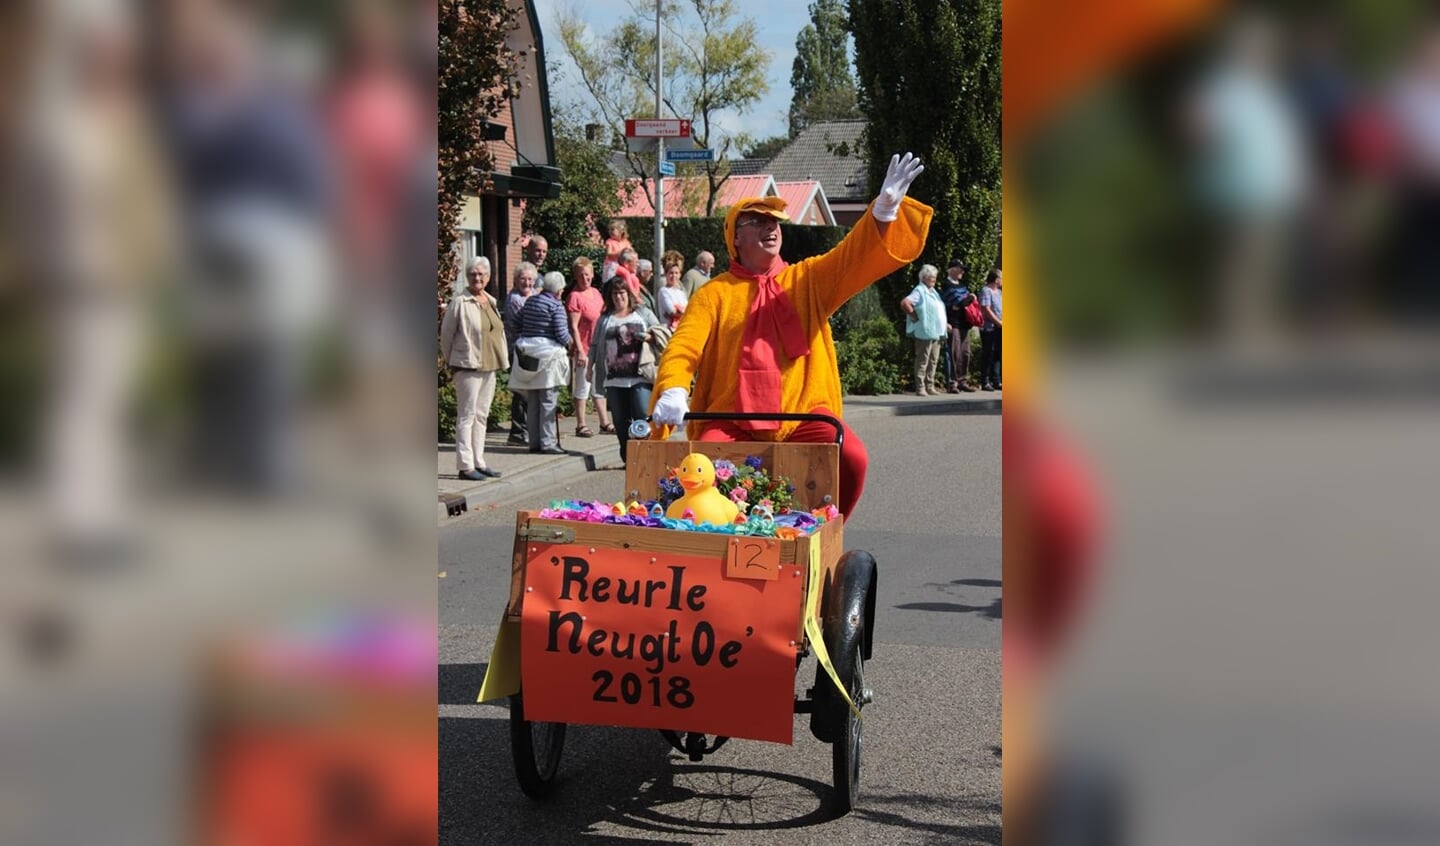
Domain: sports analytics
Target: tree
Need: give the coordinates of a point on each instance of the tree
(820, 76)
(591, 190)
(929, 82)
(712, 64)
(766, 149)
(477, 74)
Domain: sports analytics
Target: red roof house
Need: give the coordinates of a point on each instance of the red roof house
(806, 203)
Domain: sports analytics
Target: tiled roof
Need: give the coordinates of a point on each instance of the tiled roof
(809, 157)
(749, 167)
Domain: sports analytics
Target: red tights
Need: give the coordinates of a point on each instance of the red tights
(854, 458)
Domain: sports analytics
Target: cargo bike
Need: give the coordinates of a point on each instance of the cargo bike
(700, 635)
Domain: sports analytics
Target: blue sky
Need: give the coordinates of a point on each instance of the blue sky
(778, 21)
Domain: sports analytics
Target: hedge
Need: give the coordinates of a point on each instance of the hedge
(561, 258)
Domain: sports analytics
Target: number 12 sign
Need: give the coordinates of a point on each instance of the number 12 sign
(753, 558)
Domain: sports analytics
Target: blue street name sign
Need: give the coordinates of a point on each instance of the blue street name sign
(667, 168)
(701, 155)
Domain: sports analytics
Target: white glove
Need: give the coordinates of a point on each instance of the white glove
(672, 407)
(898, 176)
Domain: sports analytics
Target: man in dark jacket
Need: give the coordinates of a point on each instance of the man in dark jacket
(956, 355)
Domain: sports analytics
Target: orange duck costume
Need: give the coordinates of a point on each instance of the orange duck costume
(716, 341)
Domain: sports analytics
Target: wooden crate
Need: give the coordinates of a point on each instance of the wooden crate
(812, 468)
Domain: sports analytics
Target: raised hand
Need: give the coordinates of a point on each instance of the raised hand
(902, 172)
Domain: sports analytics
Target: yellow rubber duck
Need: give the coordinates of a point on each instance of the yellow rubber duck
(702, 499)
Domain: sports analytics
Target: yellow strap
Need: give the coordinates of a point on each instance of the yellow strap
(812, 623)
(502, 677)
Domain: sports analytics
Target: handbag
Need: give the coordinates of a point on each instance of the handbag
(973, 315)
(656, 340)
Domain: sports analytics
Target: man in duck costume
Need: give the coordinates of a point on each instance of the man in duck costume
(757, 337)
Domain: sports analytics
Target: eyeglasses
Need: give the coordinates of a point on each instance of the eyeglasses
(757, 221)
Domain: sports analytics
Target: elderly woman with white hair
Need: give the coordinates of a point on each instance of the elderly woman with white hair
(542, 361)
(925, 321)
(526, 275)
(472, 342)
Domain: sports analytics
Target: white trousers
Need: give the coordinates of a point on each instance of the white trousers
(474, 391)
(96, 358)
(580, 382)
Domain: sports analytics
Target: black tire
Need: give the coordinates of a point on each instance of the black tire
(536, 748)
(847, 618)
(845, 751)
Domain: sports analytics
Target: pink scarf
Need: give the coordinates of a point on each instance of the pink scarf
(771, 328)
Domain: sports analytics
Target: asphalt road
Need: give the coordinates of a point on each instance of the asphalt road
(931, 765)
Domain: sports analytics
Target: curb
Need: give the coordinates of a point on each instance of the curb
(860, 408)
(514, 485)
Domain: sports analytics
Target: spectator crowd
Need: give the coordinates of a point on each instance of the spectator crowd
(570, 328)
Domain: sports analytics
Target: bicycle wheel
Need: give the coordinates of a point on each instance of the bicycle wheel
(536, 748)
(845, 751)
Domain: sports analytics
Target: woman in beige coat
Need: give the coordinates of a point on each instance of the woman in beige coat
(472, 342)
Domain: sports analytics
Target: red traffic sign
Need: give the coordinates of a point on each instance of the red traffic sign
(660, 128)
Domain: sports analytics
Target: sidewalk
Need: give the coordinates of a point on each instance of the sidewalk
(523, 472)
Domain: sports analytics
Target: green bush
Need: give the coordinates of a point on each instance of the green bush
(801, 242)
(500, 408)
(23, 365)
(871, 358)
(445, 417)
(862, 308)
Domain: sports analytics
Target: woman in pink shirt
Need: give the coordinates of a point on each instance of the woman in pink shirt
(583, 306)
(617, 243)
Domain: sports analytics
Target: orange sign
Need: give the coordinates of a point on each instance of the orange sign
(753, 558)
(656, 640)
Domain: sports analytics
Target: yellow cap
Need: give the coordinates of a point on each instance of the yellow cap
(771, 206)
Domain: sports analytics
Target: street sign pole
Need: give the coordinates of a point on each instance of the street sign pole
(659, 215)
(659, 157)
